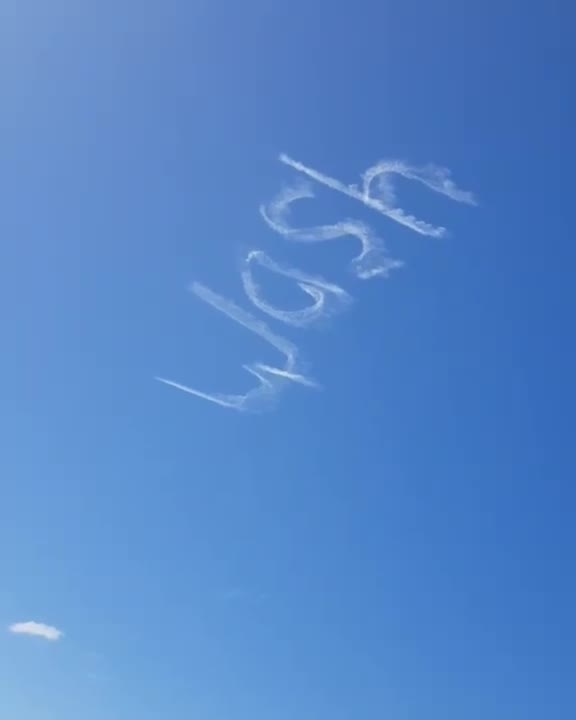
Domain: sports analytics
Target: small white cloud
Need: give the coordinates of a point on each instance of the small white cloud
(48, 632)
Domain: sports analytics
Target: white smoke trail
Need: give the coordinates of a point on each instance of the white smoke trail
(373, 259)
(328, 298)
(272, 379)
(436, 178)
(376, 192)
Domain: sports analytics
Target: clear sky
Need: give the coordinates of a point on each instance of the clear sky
(398, 543)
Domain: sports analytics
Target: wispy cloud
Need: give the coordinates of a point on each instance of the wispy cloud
(48, 632)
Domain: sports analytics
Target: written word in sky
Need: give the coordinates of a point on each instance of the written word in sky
(376, 191)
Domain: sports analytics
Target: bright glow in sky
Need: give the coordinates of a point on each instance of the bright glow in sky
(183, 198)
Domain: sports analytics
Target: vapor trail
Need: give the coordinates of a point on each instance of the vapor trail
(436, 178)
(373, 259)
(328, 298)
(272, 379)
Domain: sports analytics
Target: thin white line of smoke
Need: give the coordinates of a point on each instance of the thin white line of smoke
(373, 259)
(272, 379)
(435, 178)
(328, 298)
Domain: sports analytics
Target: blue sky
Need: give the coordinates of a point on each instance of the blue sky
(396, 544)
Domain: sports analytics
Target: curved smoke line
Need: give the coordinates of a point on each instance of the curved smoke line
(435, 178)
(328, 298)
(372, 261)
